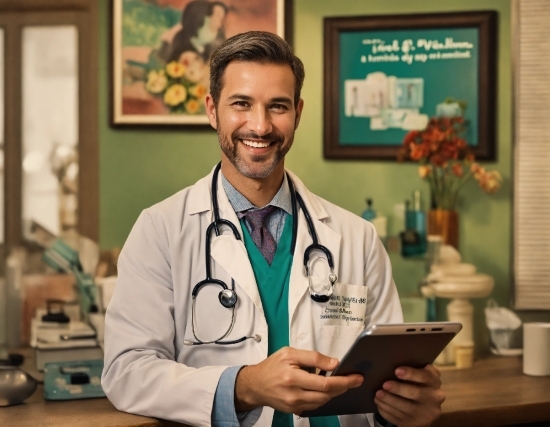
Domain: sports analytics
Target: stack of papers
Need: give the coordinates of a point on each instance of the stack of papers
(62, 335)
(63, 342)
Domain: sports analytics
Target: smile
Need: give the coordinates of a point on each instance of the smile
(256, 144)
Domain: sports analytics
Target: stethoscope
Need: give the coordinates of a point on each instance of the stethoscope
(228, 297)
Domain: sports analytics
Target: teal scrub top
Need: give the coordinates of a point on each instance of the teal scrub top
(273, 283)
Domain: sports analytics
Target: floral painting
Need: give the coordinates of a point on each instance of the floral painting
(162, 50)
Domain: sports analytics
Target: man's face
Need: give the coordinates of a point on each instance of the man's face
(256, 116)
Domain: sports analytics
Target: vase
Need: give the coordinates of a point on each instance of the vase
(444, 223)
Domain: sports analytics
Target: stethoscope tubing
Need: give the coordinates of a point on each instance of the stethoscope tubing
(229, 300)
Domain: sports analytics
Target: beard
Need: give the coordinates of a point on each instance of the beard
(259, 166)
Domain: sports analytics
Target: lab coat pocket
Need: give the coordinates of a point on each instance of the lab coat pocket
(343, 319)
(336, 339)
(346, 307)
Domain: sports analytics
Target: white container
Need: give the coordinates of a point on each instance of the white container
(536, 348)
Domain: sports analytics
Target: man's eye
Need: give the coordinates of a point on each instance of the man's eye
(240, 104)
(279, 107)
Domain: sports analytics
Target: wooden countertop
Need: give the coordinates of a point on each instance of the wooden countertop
(494, 392)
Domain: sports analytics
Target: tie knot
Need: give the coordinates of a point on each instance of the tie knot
(258, 217)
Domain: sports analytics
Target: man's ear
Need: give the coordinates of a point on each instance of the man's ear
(299, 109)
(211, 110)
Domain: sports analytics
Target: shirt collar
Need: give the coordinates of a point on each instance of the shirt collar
(240, 203)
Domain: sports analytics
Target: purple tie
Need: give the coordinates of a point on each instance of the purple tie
(261, 236)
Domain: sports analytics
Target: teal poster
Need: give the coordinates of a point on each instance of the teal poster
(393, 81)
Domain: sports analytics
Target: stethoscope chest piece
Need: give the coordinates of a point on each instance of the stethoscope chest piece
(228, 298)
(329, 289)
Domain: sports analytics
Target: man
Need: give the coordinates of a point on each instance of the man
(179, 347)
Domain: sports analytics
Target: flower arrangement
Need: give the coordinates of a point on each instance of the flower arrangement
(446, 160)
(181, 84)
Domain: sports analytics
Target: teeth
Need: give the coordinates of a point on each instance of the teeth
(255, 144)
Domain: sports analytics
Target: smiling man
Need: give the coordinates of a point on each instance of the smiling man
(223, 305)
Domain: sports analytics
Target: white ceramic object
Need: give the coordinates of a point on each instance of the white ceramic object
(477, 286)
(460, 290)
(460, 269)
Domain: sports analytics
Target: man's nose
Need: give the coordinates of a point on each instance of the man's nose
(260, 121)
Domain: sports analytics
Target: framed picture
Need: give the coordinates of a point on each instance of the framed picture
(161, 53)
(387, 75)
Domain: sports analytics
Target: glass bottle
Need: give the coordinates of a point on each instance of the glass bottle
(369, 214)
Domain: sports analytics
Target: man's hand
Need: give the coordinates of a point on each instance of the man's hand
(281, 383)
(415, 401)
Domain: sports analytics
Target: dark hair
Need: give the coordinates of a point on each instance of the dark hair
(192, 19)
(254, 46)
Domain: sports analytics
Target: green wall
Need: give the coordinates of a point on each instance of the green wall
(141, 167)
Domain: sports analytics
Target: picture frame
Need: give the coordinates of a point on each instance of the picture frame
(160, 54)
(386, 75)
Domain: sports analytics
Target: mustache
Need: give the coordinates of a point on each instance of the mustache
(270, 137)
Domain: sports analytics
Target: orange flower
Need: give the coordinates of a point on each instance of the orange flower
(192, 106)
(424, 171)
(416, 152)
(198, 91)
(446, 159)
(457, 170)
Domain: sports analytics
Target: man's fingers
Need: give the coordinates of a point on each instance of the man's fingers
(434, 369)
(399, 403)
(428, 376)
(405, 390)
(307, 400)
(320, 383)
(390, 413)
(307, 358)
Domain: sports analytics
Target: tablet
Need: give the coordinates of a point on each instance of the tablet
(376, 353)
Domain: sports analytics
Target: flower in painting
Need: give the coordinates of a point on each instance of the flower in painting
(195, 71)
(175, 69)
(156, 81)
(192, 106)
(175, 95)
(188, 57)
(198, 91)
(182, 84)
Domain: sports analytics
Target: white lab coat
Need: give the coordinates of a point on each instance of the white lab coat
(149, 371)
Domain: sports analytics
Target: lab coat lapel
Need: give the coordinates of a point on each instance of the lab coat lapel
(231, 254)
(299, 284)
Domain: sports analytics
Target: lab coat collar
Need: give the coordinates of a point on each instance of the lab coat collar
(227, 251)
(199, 194)
(200, 200)
(299, 284)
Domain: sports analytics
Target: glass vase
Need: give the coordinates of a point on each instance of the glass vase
(444, 223)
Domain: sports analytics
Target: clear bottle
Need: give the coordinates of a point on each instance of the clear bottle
(369, 214)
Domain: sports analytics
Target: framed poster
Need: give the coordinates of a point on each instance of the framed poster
(161, 53)
(387, 75)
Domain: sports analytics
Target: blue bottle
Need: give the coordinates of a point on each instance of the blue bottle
(413, 240)
(369, 214)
